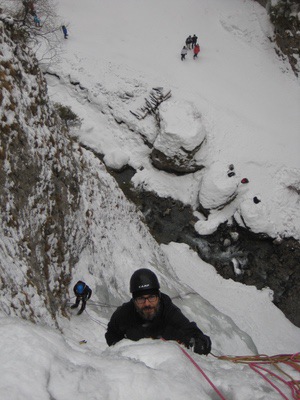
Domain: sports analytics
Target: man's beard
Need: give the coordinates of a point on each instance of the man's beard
(148, 313)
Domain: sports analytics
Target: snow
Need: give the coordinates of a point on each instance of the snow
(247, 97)
(248, 103)
(181, 128)
(116, 159)
(217, 187)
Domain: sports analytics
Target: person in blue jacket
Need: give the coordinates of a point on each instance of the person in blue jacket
(37, 21)
(82, 293)
(65, 32)
(152, 314)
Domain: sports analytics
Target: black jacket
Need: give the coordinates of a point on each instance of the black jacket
(169, 324)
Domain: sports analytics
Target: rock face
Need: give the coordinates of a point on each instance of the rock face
(285, 16)
(62, 215)
(38, 173)
(181, 135)
(286, 19)
(177, 164)
(262, 262)
(50, 188)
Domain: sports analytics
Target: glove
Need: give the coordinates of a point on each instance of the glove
(201, 345)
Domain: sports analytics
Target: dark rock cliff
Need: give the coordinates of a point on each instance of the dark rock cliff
(285, 16)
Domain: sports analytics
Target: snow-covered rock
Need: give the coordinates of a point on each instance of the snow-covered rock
(180, 137)
(116, 159)
(255, 217)
(217, 187)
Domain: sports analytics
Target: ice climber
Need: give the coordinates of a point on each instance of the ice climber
(152, 314)
(37, 21)
(82, 293)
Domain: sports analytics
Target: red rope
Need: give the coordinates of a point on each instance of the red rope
(292, 384)
(258, 364)
(202, 372)
(255, 367)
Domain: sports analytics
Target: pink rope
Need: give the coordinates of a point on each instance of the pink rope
(292, 385)
(202, 372)
(255, 367)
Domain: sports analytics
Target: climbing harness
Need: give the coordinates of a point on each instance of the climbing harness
(261, 364)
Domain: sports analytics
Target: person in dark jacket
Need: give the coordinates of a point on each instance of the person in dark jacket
(65, 32)
(194, 41)
(82, 293)
(188, 42)
(152, 314)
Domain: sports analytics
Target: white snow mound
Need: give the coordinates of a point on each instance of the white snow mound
(181, 128)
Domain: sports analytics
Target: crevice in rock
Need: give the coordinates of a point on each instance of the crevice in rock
(235, 252)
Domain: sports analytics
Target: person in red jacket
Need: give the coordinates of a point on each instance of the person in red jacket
(196, 50)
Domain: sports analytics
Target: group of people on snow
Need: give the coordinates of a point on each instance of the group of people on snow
(191, 43)
(149, 314)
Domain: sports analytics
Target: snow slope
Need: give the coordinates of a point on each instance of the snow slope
(248, 98)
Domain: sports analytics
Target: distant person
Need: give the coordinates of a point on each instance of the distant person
(37, 21)
(65, 32)
(194, 40)
(183, 53)
(196, 51)
(82, 293)
(188, 42)
(152, 314)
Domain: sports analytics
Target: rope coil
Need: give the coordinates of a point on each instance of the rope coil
(258, 364)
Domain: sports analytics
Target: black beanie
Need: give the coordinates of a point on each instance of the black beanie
(146, 292)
